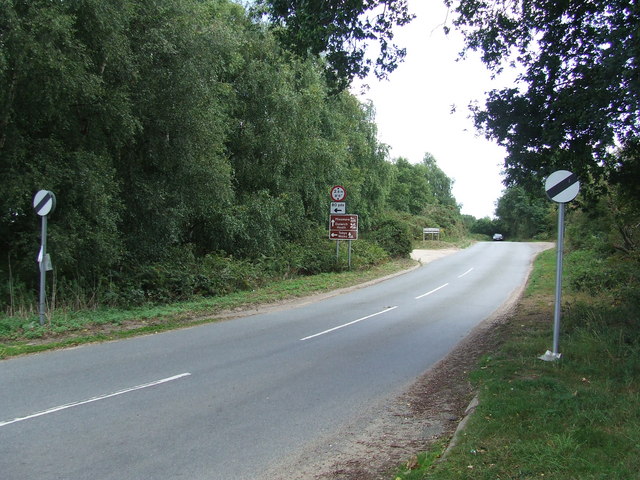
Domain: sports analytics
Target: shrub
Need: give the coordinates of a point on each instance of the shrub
(392, 235)
(592, 272)
(367, 254)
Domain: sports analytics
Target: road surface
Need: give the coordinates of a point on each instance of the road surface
(228, 400)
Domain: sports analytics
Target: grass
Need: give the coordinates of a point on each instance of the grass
(23, 334)
(578, 418)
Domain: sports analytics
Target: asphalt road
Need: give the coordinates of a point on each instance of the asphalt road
(227, 400)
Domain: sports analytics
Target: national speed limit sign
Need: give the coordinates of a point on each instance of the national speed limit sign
(44, 202)
(338, 193)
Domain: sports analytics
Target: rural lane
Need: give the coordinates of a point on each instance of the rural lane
(228, 400)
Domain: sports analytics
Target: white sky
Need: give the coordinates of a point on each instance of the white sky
(413, 108)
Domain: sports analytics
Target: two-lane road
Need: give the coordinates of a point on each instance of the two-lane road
(225, 400)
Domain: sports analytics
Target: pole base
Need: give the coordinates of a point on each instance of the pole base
(549, 356)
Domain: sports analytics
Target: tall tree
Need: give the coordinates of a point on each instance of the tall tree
(439, 182)
(411, 191)
(59, 125)
(174, 172)
(579, 93)
(523, 214)
(361, 165)
(339, 30)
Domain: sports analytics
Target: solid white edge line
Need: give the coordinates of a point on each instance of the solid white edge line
(347, 324)
(94, 399)
(432, 291)
(465, 273)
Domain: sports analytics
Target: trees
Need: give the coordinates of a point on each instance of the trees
(339, 31)
(439, 182)
(578, 94)
(291, 140)
(411, 189)
(522, 214)
(60, 124)
(485, 226)
(417, 186)
(168, 130)
(174, 173)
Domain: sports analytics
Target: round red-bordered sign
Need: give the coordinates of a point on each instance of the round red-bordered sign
(338, 193)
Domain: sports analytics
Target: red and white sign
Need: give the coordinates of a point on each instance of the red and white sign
(338, 193)
(343, 227)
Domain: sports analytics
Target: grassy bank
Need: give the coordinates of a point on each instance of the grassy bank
(577, 418)
(22, 334)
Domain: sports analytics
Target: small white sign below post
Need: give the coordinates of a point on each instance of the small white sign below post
(338, 208)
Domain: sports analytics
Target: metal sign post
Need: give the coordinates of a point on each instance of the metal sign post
(43, 269)
(561, 187)
(558, 299)
(44, 203)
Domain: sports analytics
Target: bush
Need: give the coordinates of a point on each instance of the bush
(447, 218)
(367, 254)
(312, 254)
(181, 277)
(317, 254)
(592, 272)
(183, 274)
(393, 235)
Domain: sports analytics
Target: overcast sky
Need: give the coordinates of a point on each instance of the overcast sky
(413, 109)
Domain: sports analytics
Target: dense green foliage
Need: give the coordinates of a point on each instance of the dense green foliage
(521, 214)
(189, 152)
(418, 185)
(339, 31)
(603, 255)
(524, 215)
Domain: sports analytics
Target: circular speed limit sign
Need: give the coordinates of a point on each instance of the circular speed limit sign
(44, 202)
(338, 193)
(562, 186)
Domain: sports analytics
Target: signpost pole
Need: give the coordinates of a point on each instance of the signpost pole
(349, 254)
(558, 300)
(43, 269)
(561, 186)
(44, 202)
(337, 251)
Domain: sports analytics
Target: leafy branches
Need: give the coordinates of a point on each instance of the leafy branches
(339, 30)
(579, 90)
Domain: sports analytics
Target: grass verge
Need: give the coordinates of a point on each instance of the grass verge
(577, 418)
(21, 335)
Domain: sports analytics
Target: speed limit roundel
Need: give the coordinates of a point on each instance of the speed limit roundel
(338, 193)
